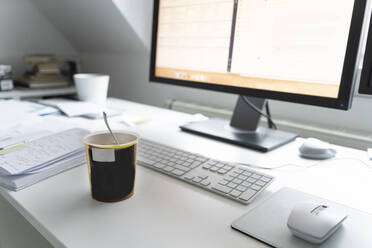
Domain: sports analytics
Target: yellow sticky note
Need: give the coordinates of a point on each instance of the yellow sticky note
(12, 149)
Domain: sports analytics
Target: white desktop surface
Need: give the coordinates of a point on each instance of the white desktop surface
(165, 212)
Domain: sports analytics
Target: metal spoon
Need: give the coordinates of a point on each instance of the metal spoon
(108, 127)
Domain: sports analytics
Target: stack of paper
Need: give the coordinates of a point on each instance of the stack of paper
(16, 108)
(73, 108)
(42, 158)
(28, 128)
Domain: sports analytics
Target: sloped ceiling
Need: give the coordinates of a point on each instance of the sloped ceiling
(101, 26)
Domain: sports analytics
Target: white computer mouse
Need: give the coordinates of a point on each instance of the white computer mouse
(313, 222)
(316, 149)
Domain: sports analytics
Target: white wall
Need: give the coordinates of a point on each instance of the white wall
(25, 30)
(97, 25)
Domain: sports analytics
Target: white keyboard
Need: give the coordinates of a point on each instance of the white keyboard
(229, 180)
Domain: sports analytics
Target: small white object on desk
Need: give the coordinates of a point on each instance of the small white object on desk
(369, 151)
(316, 149)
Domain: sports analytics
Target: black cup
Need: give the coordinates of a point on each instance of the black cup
(112, 167)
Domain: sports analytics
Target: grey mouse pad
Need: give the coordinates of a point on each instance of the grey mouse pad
(268, 223)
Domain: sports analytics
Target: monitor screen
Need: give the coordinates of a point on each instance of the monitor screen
(285, 46)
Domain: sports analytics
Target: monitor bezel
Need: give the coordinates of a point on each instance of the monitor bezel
(365, 85)
(343, 101)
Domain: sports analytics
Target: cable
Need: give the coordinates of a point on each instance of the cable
(253, 107)
(270, 124)
(304, 167)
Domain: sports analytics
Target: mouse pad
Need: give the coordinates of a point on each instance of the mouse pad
(268, 223)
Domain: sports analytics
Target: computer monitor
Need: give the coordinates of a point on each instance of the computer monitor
(302, 51)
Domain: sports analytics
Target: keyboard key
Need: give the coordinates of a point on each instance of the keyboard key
(201, 159)
(206, 166)
(251, 180)
(214, 169)
(260, 183)
(239, 171)
(255, 187)
(247, 173)
(182, 158)
(228, 178)
(195, 164)
(222, 171)
(189, 177)
(205, 183)
(177, 172)
(203, 176)
(146, 161)
(181, 167)
(159, 165)
(265, 179)
(232, 185)
(227, 167)
(221, 188)
(234, 174)
(235, 193)
(197, 179)
(171, 164)
(242, 177)
(223, 182)
(247, 195)
(241, 188)
(187, 164)
(246, 184)
(212, 162)
(256, 176)
(219, 165)
(168, 168)
(237, 181)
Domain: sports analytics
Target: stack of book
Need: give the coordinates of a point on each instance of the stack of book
(44, 72)
(6, 81)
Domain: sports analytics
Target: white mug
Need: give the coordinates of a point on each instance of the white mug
(92, 87)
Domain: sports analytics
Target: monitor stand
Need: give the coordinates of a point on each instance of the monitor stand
(243, 128)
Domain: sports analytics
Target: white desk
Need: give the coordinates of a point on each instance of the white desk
(165, 212)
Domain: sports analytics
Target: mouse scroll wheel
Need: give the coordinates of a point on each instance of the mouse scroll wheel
(318, 209)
